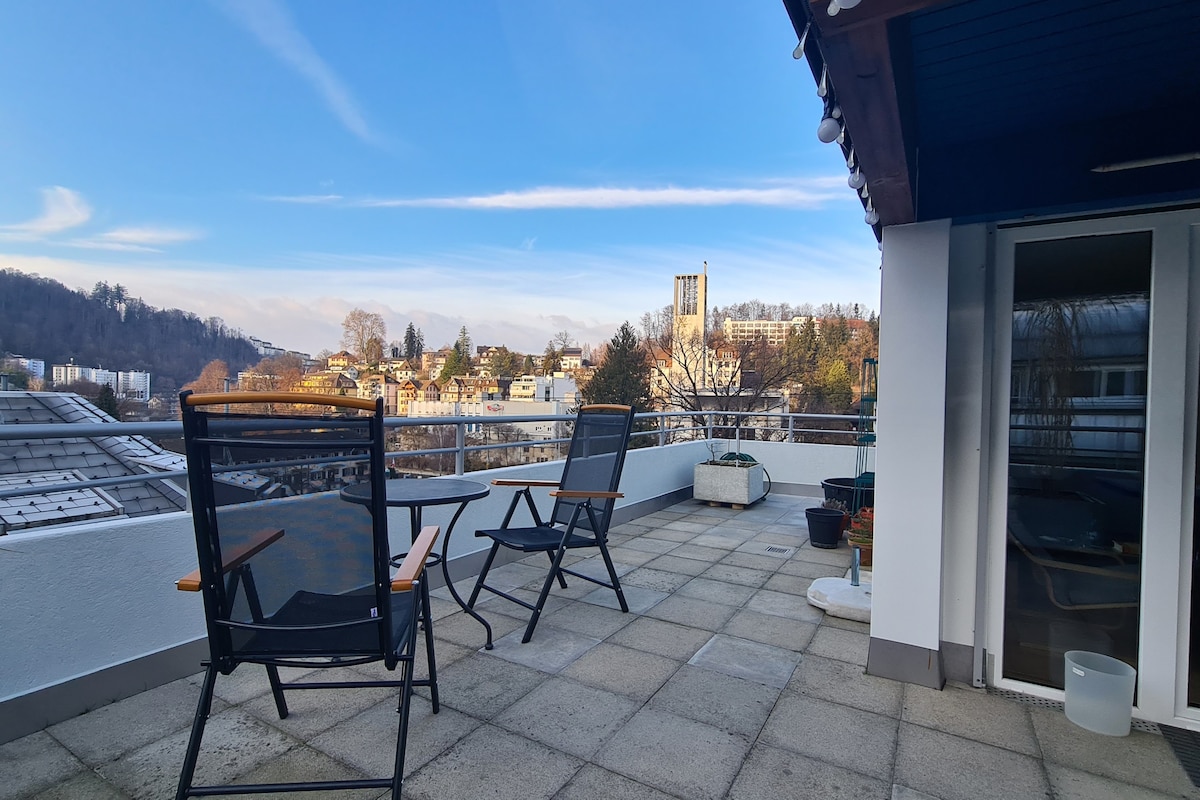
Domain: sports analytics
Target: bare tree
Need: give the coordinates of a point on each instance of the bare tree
(211, 378)
(363, 334)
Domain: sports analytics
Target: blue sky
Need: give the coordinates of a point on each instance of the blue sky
(520, 167)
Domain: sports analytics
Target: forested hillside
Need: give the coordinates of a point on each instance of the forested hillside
(41, 318)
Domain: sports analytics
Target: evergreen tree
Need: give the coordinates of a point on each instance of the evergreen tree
(624, 376)
(414, 342)
(527, 367)
(106, 401)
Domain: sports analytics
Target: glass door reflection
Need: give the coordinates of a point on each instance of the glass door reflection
(1080, 330)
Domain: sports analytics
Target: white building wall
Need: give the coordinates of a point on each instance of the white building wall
(907, 590)
(968, 403)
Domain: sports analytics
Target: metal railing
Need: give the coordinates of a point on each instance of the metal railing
(655, 429)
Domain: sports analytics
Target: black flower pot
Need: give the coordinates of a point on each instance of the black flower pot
(824, 527)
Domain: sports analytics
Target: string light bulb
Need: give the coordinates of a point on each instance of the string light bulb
(829, 129)
(857, 180)
(798, 53)
(872, 216)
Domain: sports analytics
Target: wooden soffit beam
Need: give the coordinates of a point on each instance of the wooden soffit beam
(857, 52)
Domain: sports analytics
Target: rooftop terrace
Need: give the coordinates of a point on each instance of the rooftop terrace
(721, 682)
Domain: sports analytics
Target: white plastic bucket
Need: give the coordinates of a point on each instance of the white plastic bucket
(1099, 692)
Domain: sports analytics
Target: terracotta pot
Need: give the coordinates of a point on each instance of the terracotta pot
(864, 549)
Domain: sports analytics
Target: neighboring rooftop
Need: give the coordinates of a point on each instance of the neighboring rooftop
(58, 460)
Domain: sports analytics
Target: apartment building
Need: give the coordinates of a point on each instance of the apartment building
(132, 385)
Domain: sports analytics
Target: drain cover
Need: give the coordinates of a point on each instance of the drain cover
(1186, 745)
(765, 549)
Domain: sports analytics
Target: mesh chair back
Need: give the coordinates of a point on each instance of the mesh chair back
(594, 462)
(322, 587)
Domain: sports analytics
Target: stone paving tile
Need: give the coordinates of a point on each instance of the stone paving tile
(465, 631)
(743, 658)
(1142, 759)
(972, 714)
(692, 612)
(483, 686)
(592, 782)
(847, 625)
(633, 673)
(511, 767)
(84, 786)
(719, 539)
(677, 755)
(591, 619)
(248, 680)
(782, 604)
(367, 741)
(832, 733)
(842, 645)
(32, 763)
(306, 764)
(671, 535)
(739, 575)
(688, 527)
(631, 556)
(730, 594)
(142, 719)
(809, 569)
(568, 716)
(551, 649)
(312, 711)
(773, 774)
(955, 768)
(710, 555)
(658, 579)
(766, 564)
(723, 701)
(684, 566)
(638, 598)
(837, 557)
(789, 584)
(649, 545)
(676, 642)
(770, 629)
(848, 684)
(234, 742)
(1072, 784)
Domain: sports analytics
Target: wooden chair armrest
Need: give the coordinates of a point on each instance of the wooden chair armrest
(583, 493)
(513, 482)
(234, 557)
(414, 563)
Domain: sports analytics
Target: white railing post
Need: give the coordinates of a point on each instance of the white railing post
(460, 452)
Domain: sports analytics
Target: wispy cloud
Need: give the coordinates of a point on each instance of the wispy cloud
(305, 199)
(808, 193)
(62, 209)
(272, 25)
(139, 240)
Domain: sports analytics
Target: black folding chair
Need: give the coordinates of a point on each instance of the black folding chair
(291, 574)
(583, 505)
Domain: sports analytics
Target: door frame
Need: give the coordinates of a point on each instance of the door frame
(1170, 447)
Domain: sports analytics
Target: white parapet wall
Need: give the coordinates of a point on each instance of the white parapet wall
(95, 598)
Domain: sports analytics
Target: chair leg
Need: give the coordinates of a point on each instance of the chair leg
(203, 707)
(612, 574)
(406, 695)
(555, 563)
(427, 619)
(561, 580)
(277, 690)
(487, 566)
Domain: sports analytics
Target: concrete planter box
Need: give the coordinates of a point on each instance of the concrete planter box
(736, 483)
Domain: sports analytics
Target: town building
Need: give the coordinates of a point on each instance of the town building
(131, 385)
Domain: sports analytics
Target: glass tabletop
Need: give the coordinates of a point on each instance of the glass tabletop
(408, 492)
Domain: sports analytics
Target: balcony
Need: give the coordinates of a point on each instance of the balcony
(721, 681)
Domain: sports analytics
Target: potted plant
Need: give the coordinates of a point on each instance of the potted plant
(825, 525)
(862, 534)
(737, 481)
(840, 505)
